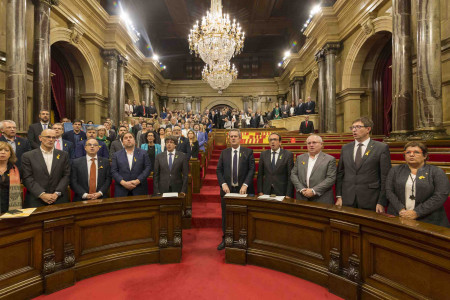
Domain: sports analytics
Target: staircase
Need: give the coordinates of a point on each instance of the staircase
(206, 210)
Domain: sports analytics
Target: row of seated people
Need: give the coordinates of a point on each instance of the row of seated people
(46, 172)
(372, 185)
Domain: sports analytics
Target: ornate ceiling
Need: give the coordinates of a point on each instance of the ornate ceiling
(271, 27)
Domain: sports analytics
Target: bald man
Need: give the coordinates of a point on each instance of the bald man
(46, 173)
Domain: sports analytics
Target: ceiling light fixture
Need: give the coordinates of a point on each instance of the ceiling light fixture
(219, 77)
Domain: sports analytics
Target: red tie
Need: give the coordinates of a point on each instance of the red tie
(92, 178)
(143, 107)
(306, 123)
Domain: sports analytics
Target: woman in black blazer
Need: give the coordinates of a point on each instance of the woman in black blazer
(416, 190)
(193, 143)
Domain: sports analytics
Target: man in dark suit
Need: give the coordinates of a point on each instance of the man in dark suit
(274, 169)
(130, 168)
(46, 173)
(306, 127)
(253, 121)
(90, 177)
(171, 169)
(110, 133)
(60, 143)
(362, 170)
(142, 110)
(91, 133)
(76, 135)
(117, 144)
(284, 110)
(300, 109)
(182, 142)
(19, 145)
(314, 173)
(35, 129)
(310, 106)
(235, 171)
(152, 113)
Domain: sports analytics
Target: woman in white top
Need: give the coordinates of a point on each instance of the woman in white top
(416, 190)
(128, 109)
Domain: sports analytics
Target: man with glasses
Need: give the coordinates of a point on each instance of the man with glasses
(95, 169)
(91, 133)
(35, 129)
(19, 145)
(362, 170)
(235, 171)
(274, 169)
(182, 142)
(314, 173)
(60, 143)
(46, 173)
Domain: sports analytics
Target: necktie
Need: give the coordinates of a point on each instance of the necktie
(235, 179)
(170, 161)
(273, 160)
(92, 177)
(143, 107)
(358, 158)
(58, 145)
(45, 126)
(306, 124)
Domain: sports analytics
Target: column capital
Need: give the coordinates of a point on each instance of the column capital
(297, 79)
(110, 54)
(46, 2)
(320, 55)
(331, 48)
(122, 60)
(281, 97)
(147, 84)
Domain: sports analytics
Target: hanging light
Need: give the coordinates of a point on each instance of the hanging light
(219, 77)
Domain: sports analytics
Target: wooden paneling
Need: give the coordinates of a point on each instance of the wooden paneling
(356, 254)
(58, 245)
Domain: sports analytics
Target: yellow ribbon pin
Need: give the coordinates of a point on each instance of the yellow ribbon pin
(18, 143)
(421, 177)
(281, 156)
(367, 153)
(57, 156)
(135, 159)
(101, 167)
(240, 154)
(303, 162)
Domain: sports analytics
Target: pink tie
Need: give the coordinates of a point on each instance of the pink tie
(58, 145)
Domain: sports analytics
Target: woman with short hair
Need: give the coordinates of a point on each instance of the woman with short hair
(10, 191)
(416, 190)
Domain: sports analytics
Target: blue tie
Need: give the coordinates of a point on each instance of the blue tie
(273, 160)
(235, 168)
(170, 161)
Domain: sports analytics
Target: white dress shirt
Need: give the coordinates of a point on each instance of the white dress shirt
(46, 125)
(410, 204)
(60, 143)
(363, 148)
(89, 162)
(130, 158)
(277, 155)
(48, 158)
(173, 156)
(238, 149)
(163, 144)
(311, 163)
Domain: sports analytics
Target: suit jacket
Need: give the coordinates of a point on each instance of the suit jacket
(310, 106)
(115, 146)
(140, 169)
(69, 148)
(37, 180)
(306, 129)
(79, 179)
(202, 138)
(152, 111)
(22, 146)
(140, 111)
(278, 178)
(112, 135)
(175, 180)
(34, 131)
(246, 169)
(321, 180)
(193, 150)
(183, 146)
(366, 185)
(253, 122)
(80, 151)
(432, 190)
(70, 136)
(300, 109)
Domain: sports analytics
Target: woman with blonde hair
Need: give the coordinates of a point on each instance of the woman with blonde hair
(101, 135)
(10, 191)
(193, 143)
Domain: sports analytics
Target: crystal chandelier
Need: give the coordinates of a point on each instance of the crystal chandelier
(216, 40)
(219, 76)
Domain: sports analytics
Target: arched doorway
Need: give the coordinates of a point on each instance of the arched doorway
(67, 82)
(129, 95)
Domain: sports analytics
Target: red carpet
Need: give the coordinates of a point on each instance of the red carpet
(202, 274)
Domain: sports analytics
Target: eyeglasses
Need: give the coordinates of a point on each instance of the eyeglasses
(49, 137)
(414, 153)
(358, 127)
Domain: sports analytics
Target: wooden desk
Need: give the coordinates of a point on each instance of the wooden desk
(354, 253)
(58, 245)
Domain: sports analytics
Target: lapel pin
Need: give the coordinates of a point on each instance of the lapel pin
(18, 143)
(135, 159)
(101, 167)
(281, 156)
(57, 156)
(421, 177)
(303, 162)
(240, 154)
(367, 153)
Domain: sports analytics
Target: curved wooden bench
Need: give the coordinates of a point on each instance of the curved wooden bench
(354, 253)
(58, 245)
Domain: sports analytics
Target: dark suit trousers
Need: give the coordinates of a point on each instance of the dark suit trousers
(224, 223)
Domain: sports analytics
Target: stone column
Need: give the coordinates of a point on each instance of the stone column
(111, 57)
(188, 103)
(164, 100)
(146, 84)
(320, 58)
(429, 81)
(16, 64)
(152, 92)
(122, 63)
(330, 102)
(402, 83)
(41, 54)
(255, 103)
(297, 91)
(198, 104)
(291, 85)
